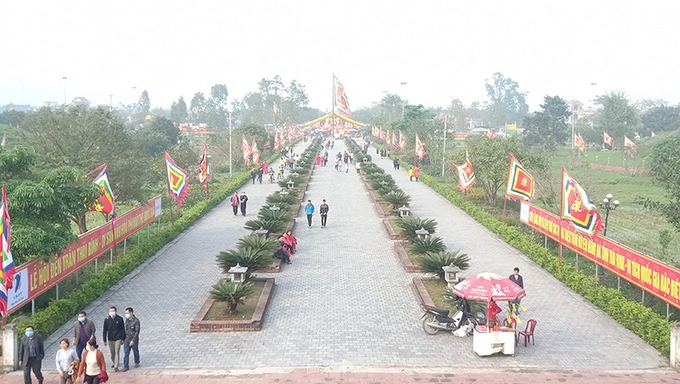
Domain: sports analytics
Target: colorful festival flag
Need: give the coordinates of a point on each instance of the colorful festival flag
(203, 167)
(7, 271)
(402, 141)
(178, 187)
(520, 184)
(466, 174)
(577, 207)
(246, 149)
(579, 142)
(106, 202)
(341, 102)
(420, 150)
(276, 140)
(275, 107)
(388, 139)
(608, 139)
(375, 131)
(394, 140)
(629, 144)
(255, 152)
(282, 140)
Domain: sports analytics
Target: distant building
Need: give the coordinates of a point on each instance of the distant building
(81, 101)
(577, 110)
(17, 108)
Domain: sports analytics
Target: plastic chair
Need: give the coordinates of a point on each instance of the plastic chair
(528, 333)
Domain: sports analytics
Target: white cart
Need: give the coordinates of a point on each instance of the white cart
(486, 343)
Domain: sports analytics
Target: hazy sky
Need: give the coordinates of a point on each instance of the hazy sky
(441, 49)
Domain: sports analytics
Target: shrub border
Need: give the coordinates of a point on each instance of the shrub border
(639, 319)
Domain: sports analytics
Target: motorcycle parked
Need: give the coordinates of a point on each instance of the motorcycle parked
(435, 319)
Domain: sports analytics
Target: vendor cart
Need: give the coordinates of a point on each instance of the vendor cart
(489, 287)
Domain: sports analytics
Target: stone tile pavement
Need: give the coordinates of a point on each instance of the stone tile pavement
(345, 303)
(570, 331)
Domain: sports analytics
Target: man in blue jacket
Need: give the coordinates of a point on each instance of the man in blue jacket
(309, 210)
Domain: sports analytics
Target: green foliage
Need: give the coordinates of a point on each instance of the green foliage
(397, 199)
(430, 244)
(617, 116)
(160, 134)
(258, 243)
(660, 119)
(409, 225)
(283, 215)
(253, 258)
(548, 126)
(665, 237)
(665, 162)
(272, 226)
(433, 262)
(506, 103)
(230, 293)
(631, 314)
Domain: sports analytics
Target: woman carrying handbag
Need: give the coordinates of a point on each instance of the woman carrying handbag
(93, 364)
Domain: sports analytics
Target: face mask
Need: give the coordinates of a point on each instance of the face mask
(127, 315)
(81, 319)
(29, 333)
(112, 314)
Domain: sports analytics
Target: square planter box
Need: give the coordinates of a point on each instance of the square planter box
(252, 324)
(404, 259)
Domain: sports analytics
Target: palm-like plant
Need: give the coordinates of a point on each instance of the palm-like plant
(409, 225)
(257, 243)
(388, 189)
(277, 198)
(427, 245)
(272, 226)
(230, 293)
(279, 215)
(397, 198)
(252, 258)
(433, 262)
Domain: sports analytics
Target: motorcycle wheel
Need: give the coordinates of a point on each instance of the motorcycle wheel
(427, 328)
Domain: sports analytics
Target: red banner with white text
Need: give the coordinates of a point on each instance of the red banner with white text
(647, 273)
(34, 278)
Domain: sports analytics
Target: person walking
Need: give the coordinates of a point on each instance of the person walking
(410, 174)
(323, 211)
(83, 331)
(93, 364)
(309, 210)
(416, 172)
(132, 327)
(243, 200)
(31, 353)
(519, 280)
(114, 333)
(65, 356)
(235, 202)
(253, 175)
(260, 173)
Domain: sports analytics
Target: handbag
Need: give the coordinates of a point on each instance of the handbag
(103, 377)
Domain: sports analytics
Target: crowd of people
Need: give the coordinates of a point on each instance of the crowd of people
(86, 360)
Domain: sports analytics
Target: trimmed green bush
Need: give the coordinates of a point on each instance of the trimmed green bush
(431, 244)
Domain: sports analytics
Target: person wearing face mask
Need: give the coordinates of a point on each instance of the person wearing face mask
(131, 339)
(83, 331)
(114, 332)
(31, 353)
(93, 364)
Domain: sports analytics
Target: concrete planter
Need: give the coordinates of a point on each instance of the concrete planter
(253, 324)
(421, 292)
(390, 231)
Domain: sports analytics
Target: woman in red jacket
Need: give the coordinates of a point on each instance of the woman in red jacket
(292, 240)
(93, 364)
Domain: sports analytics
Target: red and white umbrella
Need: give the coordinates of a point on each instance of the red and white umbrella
(486, 286)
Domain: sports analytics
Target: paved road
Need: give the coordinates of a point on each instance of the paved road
(345, 302)
(570, 331)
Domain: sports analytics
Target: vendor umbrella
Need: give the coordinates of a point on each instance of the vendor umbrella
(486, 286)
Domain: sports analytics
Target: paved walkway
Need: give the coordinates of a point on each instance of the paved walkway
(345, 305)
(570, 331)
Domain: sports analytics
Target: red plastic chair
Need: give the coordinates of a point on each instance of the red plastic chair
(528, 333)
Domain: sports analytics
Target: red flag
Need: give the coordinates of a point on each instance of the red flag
(255, 152)
(466, 174)
(203, 167)
(420, 150)
(608, 139)
(577, 208)
(579, 143)
(402, 141)
(178, 185)
(520, 184)
(246, 150)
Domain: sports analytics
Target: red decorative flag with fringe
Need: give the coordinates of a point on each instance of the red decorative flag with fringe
(579, 142)
(106, 202)
(402, 141)
(520, 184)
(341, 102)
(255, 152)
(420, 150)
(246, 150)
(608, 139)
(466, 174)
(203, 175)
(178, 187)
(577, 208)
(629, 144)
(7, 271)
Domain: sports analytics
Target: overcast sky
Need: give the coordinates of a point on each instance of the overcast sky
(441, 49)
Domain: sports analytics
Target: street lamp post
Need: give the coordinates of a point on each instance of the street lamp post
(446, 118)
(229, 112)
(608, 205)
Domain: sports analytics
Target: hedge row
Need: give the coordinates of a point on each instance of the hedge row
(48, 320)
(641, 320)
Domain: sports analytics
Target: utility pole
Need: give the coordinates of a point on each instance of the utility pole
(444, 152)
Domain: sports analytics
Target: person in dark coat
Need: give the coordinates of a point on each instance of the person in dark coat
(517, 279)
(114, 335)
(244, 202)
(31, 354)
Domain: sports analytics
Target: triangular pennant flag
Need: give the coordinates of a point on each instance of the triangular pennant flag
(520, 184)
(577, 208)
(178, 187)
(105, 203)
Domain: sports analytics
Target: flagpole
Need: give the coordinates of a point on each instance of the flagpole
(172, 219)
(207, 194)
(559, 247)
(505, 201)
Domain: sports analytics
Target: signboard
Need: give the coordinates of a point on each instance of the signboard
(649, 274)
(36, 277)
